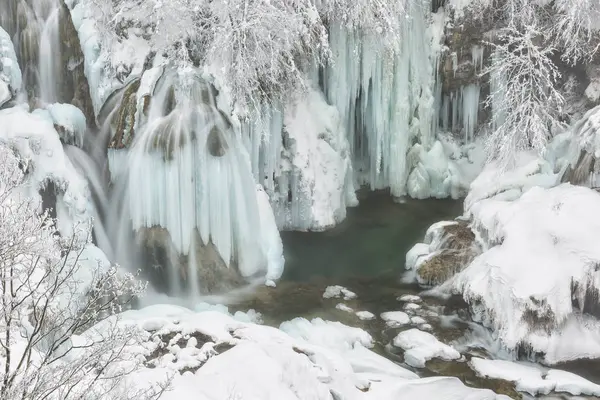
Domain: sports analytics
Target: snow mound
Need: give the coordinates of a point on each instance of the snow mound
(343, 307)
(534, 379)
(537, 285)
(395, 319)
(333, 335)
(336, 291)
(420, 347)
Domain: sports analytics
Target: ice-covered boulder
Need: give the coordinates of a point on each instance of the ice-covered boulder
(445, 170)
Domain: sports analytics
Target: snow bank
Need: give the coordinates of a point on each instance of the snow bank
(420, 347)
(537, 284)
(10, 72)
(534, 380)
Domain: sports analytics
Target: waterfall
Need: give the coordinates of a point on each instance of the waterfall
(34, 28)
(187, 171)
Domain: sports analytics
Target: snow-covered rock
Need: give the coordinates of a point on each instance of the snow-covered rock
(534, 379)
(336, 291)
(535, 285)
(212, 356)
(420, 347)
(395, 319)
(365, 315)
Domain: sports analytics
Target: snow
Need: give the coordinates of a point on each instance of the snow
(420, 347)
(543, 255)
(343, 307)
(70, 122)
(103, 64)
(365, 315)
(395, 319)
(336, 291)
(409, 298)
(35, 139)
(534, 379)
(10, 72)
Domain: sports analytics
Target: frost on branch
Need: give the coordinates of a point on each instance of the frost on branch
(263, 50)
(49, 300)
(524, 98)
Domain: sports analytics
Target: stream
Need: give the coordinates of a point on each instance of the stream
(366, 255)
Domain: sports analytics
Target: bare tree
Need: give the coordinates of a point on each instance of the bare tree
(51, 302)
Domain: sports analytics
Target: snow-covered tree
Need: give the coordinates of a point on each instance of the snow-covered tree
(51, 300)
(524, 99)
(261, 49)
(531, 35)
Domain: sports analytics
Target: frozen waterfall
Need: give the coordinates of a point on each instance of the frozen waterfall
(186, 170)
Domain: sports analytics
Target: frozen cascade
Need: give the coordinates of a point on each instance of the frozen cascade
(384, 100)
(188, 171)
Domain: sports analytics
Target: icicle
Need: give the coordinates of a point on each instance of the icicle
(470, 110)
(477, 53)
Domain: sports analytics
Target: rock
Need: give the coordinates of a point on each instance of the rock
(74, 88)
(214, 276)
(456, 248)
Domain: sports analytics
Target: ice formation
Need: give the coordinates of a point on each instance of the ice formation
(186, 170)
(10, 72)
(377, 107)
(303, 161)
(460, 111)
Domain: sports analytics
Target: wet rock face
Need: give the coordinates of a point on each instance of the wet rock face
(75, 89)
(456, 250)
(161, 258)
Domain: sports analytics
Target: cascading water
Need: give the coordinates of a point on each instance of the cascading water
(34, 28)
